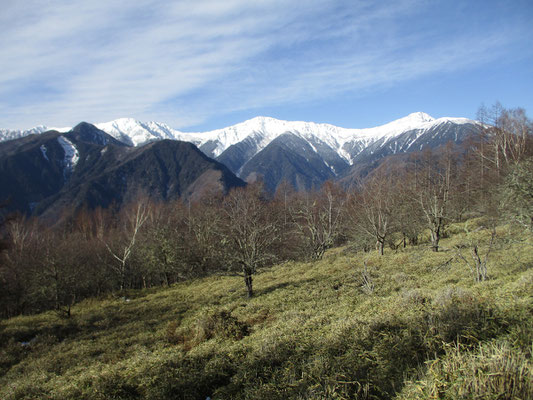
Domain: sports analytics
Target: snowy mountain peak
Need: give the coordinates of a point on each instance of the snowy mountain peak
(136, 133)
(418, 117)
(7, 134)
(260, 131)
(412, 121)
(260, 121)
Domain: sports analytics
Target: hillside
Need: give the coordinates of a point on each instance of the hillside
(409, 324)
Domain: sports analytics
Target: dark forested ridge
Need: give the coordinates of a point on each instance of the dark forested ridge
(38, 175)
(443, 235)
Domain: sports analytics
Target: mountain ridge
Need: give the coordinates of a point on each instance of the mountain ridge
(137, 133)
(247, 147)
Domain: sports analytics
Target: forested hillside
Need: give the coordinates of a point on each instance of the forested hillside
(413, 283)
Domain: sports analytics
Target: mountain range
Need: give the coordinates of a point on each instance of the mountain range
(303, 153)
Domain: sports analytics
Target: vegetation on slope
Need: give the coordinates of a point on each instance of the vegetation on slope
(409, 324)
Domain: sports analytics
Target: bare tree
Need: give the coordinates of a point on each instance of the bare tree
(133, 218)
(517, 194)
(410, 220)
(318, 217)
(283, 196)
(375, 208)
(16, 263)
(3, 242)
(506, 136)
(160, 254)
(251, 231)
(57, 272)
(432, 186)
(205, 231)
(478, 263)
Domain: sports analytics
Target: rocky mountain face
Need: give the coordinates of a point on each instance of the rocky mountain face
(49, 173)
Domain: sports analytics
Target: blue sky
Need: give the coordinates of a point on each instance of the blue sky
(205, 64)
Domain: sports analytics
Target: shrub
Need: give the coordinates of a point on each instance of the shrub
(171, 334)
(219, 324)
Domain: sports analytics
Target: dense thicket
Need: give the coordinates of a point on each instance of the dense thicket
(149, 244)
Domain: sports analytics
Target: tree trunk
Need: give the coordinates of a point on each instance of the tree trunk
(123, 275)
(435, 238)
(248, 282)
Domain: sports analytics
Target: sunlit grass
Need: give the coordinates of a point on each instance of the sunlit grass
(311, 331)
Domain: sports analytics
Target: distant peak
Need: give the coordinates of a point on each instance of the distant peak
(83, 125)
(123, 121)
(259, 120)
(419, 117)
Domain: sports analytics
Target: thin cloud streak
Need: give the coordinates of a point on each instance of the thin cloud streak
(186, 62)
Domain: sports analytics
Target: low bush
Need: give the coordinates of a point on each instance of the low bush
(218, 324)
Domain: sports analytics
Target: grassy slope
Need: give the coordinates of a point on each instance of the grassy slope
(311, 331)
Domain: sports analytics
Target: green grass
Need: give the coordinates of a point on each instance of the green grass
(494, 371)
(312, 331)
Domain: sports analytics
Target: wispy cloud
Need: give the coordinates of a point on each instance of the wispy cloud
(183, 62)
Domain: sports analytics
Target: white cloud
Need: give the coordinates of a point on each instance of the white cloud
(182, 62)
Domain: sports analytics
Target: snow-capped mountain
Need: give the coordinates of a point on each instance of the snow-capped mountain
(7, 134)
(247, 148)
(262, 130)
(332, 150)
(136, 133)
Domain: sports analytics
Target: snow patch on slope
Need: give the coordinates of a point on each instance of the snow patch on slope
(43, 151)
(71, 153)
